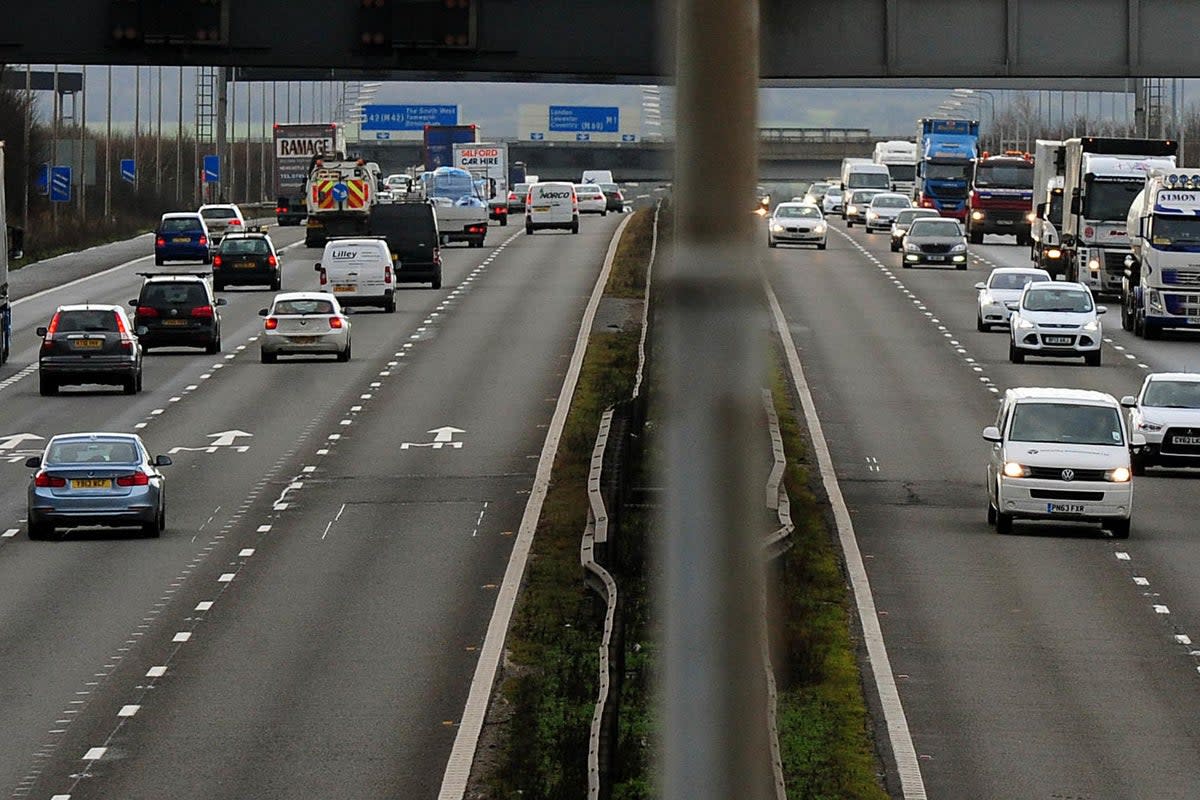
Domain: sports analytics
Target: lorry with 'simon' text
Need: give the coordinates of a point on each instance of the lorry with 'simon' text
(1161, 286)
(1000, 196)
(489, 162)
(339, 196)
(946, 149)
(295, 148)
(1101, 178)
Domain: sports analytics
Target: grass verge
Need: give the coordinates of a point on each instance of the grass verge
(550, 678)
(824, 726)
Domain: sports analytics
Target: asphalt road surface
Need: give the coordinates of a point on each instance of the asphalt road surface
(1051, 663)
(307, 626)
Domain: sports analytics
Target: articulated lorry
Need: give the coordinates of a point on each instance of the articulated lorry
(11, 239)
(339, 197)
(1049, 162)
(1101, 178)
(946, 149)
(295, 148)
(1000, 196)
(900, 157)
(1161, 285)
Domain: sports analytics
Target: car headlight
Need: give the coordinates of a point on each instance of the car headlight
(1147, 425)
(1030, 217)
(958, 248)
(872, 215)
(1054, 252)
(910, 247)
(819, 228)
(1014, 470)
(1093, 265)
(1025, 324)
(851, 209)
(976, 215)
(776, 227)
(1118, 475)
(1092, 326)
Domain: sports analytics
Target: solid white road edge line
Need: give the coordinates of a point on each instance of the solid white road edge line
(462, 754)
(912, 786)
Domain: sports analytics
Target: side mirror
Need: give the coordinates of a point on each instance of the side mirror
(981, 286)
(1129, 401)
(1142, 227)
(1076, 206)
(163, 461)
(1101, 310)
(41, 332)
(33, 462)
(221, 301)
(991, 434)
(262, 312)
(1137, 441)
(317, 267)
(133, 302)
(1012, 305)
(141, 330)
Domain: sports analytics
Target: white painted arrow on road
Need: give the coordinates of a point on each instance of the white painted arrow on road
(226, 438)
(14, 440)
(445, 434)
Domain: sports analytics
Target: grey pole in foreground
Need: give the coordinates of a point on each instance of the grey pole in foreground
(715, 743)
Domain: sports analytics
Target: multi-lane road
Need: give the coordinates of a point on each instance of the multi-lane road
(309, 624)
(1051, 663)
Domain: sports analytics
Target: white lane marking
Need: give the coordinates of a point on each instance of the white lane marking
(479, 521)
(204, 605)
(128, 711)
(1183, 638)
(1122, 556)
(263, 528)
(912, 785)
(246, 552)
(309, 469)
(156, 672)
(95, 753)
(182, 636)
(11, 532)
(1161, 609)
(226, 577)
(462, 754)
(1140, 581)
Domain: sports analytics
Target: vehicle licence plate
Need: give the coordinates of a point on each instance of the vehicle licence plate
(1004, 222)
(1193, 320)
(1186, 440)
(936, 258)
(181, 239)
(1064, 508)
(175, 323)
(1057, 339)
(91, 483)
(342, 288)
(302, 339)
(246, 265)
(87, 344)
(541, 208)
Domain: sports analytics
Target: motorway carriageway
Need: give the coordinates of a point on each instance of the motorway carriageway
(309, 624)
(1051, 663)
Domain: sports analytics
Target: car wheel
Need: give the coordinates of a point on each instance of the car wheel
(139, 381)
(1138, 464)
(991, 513)
(1139, 324)
(218, 286)
(436, 283)
(129, 386)
(1126, 318)
(904, 264)
(849, 223)
(277, 284)
(979, 326)
(821, 245)
(1092, 359)
(268, 358)
(961, 267)
(771, 242)
(158, 262)
(344, 356)
(604, 213)
(976, 237)
(40, 530)
(1004, 522)
(1014, 354)
(1120, 528)
(528, 229)
(155, 529)
(575, 225)
(895, 247)
(48, 387)
(504, 222)
(213, 346)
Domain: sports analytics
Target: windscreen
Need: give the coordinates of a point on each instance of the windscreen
(1016, 280)
(219, 212)
(1056, 208)
(1004, 176)
(797, 212)
(455, 185)
(890, 202)
(174, 294)
(1066, 423)
(946, 172)
(1172, 394)
(97, 451)
(868, 180)
(180, 225)
(303, 306)
(1063, 300)
(906, 173)
(87, 321)
(907, 216)
(1175, 233)
(1109, 201)
(237, 247)
(934, 227)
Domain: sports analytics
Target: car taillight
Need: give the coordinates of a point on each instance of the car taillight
(127, 343)
(335, 322)
(324, 277)
(160, 242)
(235, 222)
(138, 478)
(203, 312)
(45, 481)
(280, 210)
(512, 197)
(120, 324)
(273, 261)
(387, 274)
(53, 325)
(146, 311)
(203, 240)
(271, 323)
(216, 262)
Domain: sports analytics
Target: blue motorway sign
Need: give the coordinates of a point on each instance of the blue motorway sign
(212, 169)
(43, 179)
(585, 119)
(407, 117)
(60, 184)
(128, 170)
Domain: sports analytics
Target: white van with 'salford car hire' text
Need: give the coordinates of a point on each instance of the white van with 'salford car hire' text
(552, 205)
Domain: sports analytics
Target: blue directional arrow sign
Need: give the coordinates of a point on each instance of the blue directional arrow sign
(212, 169)
(383, 134)
(128, 170)
(628, 137)
(60, 184)
(340, 192)
(537, 137)
(583, 137)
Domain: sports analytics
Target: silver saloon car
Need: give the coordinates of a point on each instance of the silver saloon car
(96, 479)
(304, 323)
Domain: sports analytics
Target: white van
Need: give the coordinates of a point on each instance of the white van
(597, 176)
(358, 272)
(552, 204)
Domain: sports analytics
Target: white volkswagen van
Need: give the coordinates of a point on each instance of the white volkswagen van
(552, 204)
(358, 272)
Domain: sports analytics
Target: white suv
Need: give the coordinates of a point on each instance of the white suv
(1057, 319)
(1060, 454)
(1167, 413)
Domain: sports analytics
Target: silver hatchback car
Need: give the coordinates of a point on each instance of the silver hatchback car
(106, 479)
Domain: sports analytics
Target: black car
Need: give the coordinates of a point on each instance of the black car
(614, 199)
(89, 344)
(247, 259)
(177, 310)
(411, 232)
